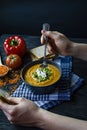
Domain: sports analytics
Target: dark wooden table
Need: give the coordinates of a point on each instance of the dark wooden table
(76, 107)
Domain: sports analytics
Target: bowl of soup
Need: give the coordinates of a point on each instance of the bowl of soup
(39, 79)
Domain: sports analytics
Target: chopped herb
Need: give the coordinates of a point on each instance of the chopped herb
(42, 74)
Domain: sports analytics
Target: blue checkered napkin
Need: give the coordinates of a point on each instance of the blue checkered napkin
(68, 84)
(76, 82)
(66, 65)
(24, 91)
(63, 91)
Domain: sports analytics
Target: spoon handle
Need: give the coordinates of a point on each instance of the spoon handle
(46, 27)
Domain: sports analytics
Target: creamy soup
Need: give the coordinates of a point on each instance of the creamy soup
(32, 74)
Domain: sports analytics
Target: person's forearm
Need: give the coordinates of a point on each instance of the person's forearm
(79, 50)
(51, 121)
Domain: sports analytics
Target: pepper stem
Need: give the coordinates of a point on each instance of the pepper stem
(14, 42)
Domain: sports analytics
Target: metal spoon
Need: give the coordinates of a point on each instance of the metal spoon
(46, 27)
(3, 67)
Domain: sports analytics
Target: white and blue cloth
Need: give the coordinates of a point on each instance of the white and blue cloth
(68, 83)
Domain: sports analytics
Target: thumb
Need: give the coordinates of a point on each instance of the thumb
(7, 101)
(49, 34)
(16, 100)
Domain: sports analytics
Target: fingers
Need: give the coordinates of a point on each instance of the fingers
(50, 49)
(51, 34)
(11, 110)
(6, 106)
(42, 39)
(15, 99)
(48, 34)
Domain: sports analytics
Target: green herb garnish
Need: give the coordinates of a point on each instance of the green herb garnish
(42, 74)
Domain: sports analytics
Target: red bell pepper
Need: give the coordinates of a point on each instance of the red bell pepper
(15, 45)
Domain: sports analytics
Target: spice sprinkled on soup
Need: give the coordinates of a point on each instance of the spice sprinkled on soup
(39, 76)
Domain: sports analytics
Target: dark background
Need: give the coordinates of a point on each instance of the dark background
(66, 16)
(27, 16)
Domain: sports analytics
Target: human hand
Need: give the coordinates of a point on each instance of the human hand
(24, 113)
(58, 43)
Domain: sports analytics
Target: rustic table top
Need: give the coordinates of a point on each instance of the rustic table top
(76, 107)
